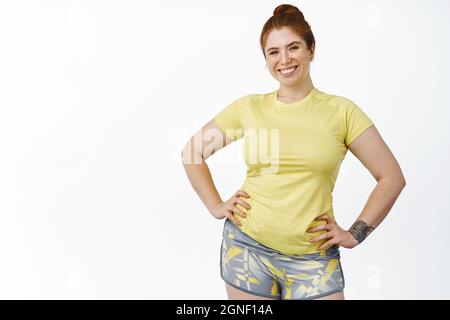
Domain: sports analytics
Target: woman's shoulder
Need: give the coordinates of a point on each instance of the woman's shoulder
(257, 96)
(254, 98)
(334, 99)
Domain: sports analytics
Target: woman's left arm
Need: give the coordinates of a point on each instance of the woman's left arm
(376, 156)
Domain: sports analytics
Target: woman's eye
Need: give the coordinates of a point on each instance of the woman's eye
(273, 52)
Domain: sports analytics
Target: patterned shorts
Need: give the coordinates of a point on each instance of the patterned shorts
(254, 268)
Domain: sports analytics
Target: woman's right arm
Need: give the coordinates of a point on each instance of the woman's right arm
(200, 147)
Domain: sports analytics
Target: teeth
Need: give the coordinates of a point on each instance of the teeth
(287, 71)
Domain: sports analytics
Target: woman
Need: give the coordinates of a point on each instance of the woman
(280, 237)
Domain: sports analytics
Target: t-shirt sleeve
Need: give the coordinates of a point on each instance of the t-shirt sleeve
(356, 122)
(229, 120)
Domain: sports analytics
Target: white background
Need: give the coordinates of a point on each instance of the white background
(98, 98)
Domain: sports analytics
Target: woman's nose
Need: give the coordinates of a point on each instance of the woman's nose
(285, 59)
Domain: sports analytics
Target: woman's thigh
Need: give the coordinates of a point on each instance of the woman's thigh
(334, 296)
(236, 294)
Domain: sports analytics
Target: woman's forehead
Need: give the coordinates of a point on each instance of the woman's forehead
(281, 38)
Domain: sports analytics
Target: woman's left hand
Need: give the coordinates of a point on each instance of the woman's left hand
(335, 234)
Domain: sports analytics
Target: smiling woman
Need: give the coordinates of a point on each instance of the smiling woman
(288, 45)
(280, 236)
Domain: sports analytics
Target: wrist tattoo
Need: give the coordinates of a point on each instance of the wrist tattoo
(360, 230)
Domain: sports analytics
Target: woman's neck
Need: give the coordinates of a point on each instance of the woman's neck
(289, 94)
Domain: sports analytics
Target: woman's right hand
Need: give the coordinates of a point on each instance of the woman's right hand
(228, 208)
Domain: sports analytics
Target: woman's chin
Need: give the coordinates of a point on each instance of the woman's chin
(290, 80)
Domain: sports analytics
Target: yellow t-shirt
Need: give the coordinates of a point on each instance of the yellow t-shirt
(293, 152)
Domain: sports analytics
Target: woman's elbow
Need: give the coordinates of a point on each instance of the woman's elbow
(403, 182)
(400, 179)
(397, 179)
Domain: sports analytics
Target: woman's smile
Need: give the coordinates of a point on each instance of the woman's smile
(288, 71)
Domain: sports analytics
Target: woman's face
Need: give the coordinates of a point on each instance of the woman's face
(285, 49)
